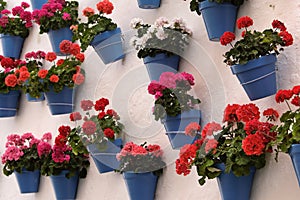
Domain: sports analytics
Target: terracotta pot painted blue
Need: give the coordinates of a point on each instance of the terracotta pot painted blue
(37, 4)
(161, 63)
(57, 36)
(149, 4)
(62, 102)
(140, 185)
(28, 181)
(12, 45)
(33, 99)
(108, 46)
(258, 76)
(65, 188)
(105, 160)
(175, 127)
(294, 152)
(235, 188)
(9, 103)
(218, 18)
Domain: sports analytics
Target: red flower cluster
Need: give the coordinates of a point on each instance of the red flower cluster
(278, 24)
(105, 6)
(244, 22)
(101, 104)
(192, 129)
(60, 147)
(271, 114)
(88, 11)
(292, 94)
(245, 113)
(287, 38)
(132, 149)
(227, 38)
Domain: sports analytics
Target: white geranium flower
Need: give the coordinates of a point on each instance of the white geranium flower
(160, 34)
(162, 21)
(135, 21)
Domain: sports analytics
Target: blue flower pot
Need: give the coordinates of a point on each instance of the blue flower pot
(9, 103)
(28, 181)
(12, 45)
(37, 4)
(149, 4)
(175, 127)
(160, 64)
(108, 46)
(218, 18)
(65, 188)
(62, 102)
(140, 185)
(235, 188)
(57, 36)
(258, 76)
(294, 153)
(106, 160)
(33, 99)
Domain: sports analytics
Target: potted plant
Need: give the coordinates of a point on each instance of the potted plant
(288, 140)
(100, 32)
(219, 16)
(21, 157)
(252, 58)
(55, 18)
(174, 106)
(33, 87)
(14, 29)
(141, 166)
(231, 153)
(100, 132)
(65, 162)
(161, 44)
(11, 78)
(62, 78)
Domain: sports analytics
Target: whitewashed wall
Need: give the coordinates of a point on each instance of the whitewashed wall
(125, 84)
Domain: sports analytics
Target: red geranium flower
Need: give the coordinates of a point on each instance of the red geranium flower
(105, 6)
(86, 105)
(89, 127)
(244, 22)
(11, 80)
(227, 38)
(101, 104)
(278, 24)
(296, 101)
(230, 113)
(54, 78)
(296, 89)
(80, 57)
(282, 95)
(64, 130)
(253, 145)
(65, 46)
(271, 114)
(287, 38)
(109, 133)
(75, 116)
(43, 73)
(78, 78)
(247, 112)
(192, 128)
(7, 62)
(50, 56)
(88, 11)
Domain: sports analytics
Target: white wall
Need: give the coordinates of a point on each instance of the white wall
(125, 83)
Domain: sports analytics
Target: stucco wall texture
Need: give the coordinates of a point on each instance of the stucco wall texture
(125, 82)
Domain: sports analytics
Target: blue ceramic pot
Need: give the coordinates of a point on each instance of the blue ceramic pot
(294, 153)
(149, 4)
(140, 185)
(57, 36)
(258, 76)
(37, 4)
(12, 45)
(218, 18)
(65, 188)
(161, 63)
(9, 103)
(175, 127)
(62, 102)
(235, 188)
(108, 46)
(28, 181)
(105, 160)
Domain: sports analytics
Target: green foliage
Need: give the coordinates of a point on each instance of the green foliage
(85, 32)
(194, 4)
(2, 5)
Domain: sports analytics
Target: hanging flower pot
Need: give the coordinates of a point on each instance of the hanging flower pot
(218, 18)
(57, 36)
(140, 185)
(62, 102)
(65, 188)
(37, 4)
(149, 4)
(35, 99)
(12, 45)
(175, 127)
(108, 46)
(105, 159)
(295, 157)
(9, 103)
(258, 77)
(28, 181)
(161, 63)
(233, 187)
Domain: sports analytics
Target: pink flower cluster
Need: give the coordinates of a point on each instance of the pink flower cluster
(17, 12)
(49, 9)
(170, 80)
(132, 149)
